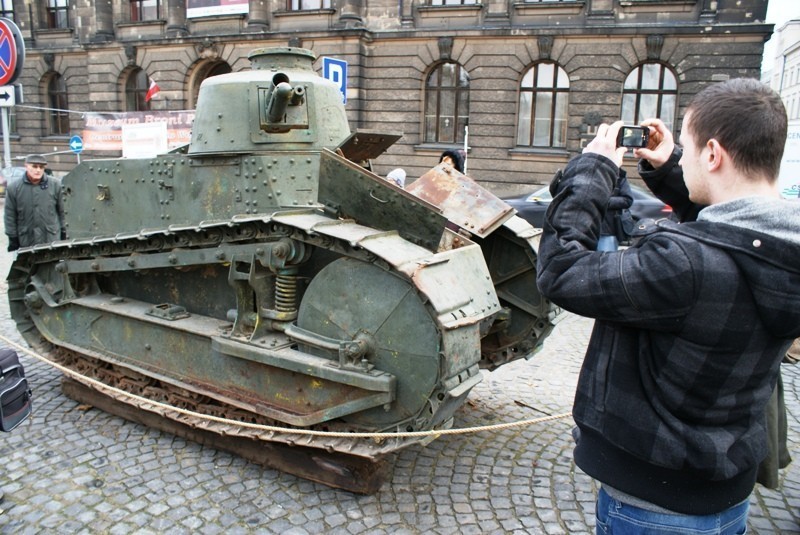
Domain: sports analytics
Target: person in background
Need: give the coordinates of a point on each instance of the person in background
(398, 176)
(612, 231)
(691, 321)
(454, 158)
(33, 207)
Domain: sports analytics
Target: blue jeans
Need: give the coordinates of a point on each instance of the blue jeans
(617, 518)
(607, 243)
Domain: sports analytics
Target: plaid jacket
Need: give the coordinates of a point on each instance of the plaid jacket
(691, 324)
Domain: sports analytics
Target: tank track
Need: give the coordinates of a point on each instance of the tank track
(343, 237)
(301, 225)
(147, 387)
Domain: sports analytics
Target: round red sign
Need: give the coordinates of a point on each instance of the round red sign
(10, 39)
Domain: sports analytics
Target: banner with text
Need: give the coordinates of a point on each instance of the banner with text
(206, 8)
(104, 131)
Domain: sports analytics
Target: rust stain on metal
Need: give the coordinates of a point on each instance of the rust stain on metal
(461, 200)
(435, 186)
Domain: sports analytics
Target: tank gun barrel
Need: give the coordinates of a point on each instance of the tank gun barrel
(279, 99)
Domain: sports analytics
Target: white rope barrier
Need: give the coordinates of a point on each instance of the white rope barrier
(143, 402)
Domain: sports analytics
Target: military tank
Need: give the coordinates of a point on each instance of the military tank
(262, 273)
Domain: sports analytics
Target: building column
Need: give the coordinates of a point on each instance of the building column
(258, 16)
(497, 12)
(176, 18)
(104, 17)
(350, 14)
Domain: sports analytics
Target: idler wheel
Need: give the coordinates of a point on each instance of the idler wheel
(353, 300)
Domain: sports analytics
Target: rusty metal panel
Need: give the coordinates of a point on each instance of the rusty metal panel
(459, 286)
(389, 245)
(352, 192)
(461, 200)
(364, 145)
(273, 381)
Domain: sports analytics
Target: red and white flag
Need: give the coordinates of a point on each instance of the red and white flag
(153, 91)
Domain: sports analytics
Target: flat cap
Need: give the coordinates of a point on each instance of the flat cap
(36, 158)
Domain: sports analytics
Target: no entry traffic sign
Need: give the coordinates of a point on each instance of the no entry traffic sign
(12, 51)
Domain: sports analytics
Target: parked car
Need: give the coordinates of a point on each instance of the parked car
(7, 174)
(532, 206)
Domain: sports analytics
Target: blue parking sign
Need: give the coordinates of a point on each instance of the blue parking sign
(335, 70)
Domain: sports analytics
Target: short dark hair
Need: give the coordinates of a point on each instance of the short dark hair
(747, 118)
(456, 156)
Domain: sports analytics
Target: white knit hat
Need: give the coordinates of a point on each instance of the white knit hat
(398, 176)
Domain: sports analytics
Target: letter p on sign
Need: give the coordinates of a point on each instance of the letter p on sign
(335, 70)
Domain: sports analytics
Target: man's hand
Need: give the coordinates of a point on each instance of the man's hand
(661, 144)
(13, 243)
(605, 143)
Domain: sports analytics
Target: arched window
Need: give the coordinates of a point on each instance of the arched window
(58, 104)
(446, 104)
(136, 87)
(543, 99)
(650, 90)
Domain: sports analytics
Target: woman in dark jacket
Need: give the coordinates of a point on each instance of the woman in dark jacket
(612, 230)
(454, 158)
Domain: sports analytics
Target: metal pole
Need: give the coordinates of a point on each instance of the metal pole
(6, 144)
(466, 146)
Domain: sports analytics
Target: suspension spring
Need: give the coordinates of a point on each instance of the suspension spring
(286, 290)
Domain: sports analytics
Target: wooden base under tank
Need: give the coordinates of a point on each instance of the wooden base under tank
(354, 474)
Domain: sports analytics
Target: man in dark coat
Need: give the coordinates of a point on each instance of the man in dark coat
(692, 320)
(33, 208)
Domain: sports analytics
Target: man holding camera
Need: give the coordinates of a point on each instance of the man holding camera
(33, 208)
(692, 321)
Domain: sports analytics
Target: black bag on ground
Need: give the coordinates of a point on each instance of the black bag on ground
(15, 394)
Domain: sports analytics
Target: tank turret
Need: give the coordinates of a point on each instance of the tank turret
(284, 102)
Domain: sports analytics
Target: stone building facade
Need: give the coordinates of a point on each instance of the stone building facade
(529, 80)
(784, 77)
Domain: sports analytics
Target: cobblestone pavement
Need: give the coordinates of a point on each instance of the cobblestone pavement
(73, 469)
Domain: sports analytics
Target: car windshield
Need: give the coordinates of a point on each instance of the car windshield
(542, 194)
